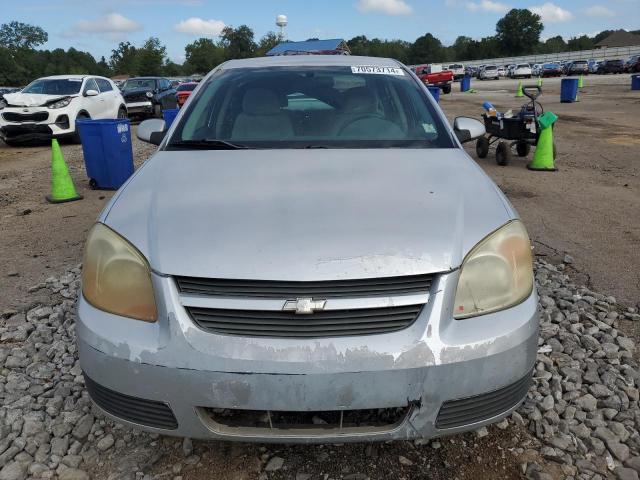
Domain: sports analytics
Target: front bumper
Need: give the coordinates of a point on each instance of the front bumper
(435, 360)
(139, 107)
(56, 125)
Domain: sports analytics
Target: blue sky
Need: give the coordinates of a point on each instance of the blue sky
(98, 27)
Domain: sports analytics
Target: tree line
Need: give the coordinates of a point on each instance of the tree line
(517, 33)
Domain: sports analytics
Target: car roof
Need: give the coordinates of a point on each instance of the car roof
(64, 77)
(309, 60)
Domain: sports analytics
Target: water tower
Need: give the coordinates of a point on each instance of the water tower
(281, 21)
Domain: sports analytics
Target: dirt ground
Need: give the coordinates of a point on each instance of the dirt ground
(589, 210)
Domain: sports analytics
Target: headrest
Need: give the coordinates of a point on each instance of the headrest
(260, 101)
(359, 100)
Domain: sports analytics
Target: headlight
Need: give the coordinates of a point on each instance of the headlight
(496, 274)
(149, 94)
(116, 277)
(61, 103)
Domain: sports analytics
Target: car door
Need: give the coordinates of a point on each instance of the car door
(108, 100)
(92, 104)
(168, 95)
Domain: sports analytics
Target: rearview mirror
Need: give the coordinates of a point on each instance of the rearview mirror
(468, 129)
(152, 131)
(91, 93)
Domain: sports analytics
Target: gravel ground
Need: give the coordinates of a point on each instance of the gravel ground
(579, 421)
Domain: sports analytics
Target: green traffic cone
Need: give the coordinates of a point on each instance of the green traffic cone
(62, 188)
(519, 92)
(543, 159)
(540, 81)
(581, 81)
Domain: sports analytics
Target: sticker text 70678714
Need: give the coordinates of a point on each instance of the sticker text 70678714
(375, 70)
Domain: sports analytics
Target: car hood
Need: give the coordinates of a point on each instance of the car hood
(31, 99)
(307, 214)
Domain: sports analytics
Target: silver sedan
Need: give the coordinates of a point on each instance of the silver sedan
(310, 256)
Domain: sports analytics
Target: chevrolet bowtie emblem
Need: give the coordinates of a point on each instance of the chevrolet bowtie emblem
(304, 306)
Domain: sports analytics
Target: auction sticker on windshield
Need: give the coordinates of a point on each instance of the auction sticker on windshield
(376, 70)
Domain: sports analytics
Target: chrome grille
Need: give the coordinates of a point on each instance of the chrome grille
(368, 287)
(328, 323)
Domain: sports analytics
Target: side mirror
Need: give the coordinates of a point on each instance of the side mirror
(467, 129)
(91, 93)
(152, 131)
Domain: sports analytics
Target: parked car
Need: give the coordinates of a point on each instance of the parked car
(522, 70)
(457, 69)
(633, 64)
(148, 96)
(502, 72)
(610, 66)
(577, 67)
(49, 107)
(593, 65)
(183, 91)
(242, 285)
(434, 76)
(470, 71)
(551, 70)
(537, 70)
(489, 72)
(479, 70)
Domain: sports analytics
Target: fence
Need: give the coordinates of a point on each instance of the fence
(621, 53)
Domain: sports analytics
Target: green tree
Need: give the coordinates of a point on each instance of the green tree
(554, 45)
(580, 43)
(151, 57)
(238, 42)
(202, 56)
(124, 59)
(518, 32)
(18, 35)
(267, 42)
(172, 69)
(426, 49)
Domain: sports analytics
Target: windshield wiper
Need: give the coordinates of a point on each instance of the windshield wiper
(207, 145)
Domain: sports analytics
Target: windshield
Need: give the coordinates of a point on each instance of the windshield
(312, 107)
(61, 86)
(580, 62)
(148, 83)
(524, 65)
(186, 87)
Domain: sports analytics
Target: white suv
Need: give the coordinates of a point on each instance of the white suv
(49, 107)
(522, 70)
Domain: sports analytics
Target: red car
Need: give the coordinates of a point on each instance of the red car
(435, 76)
(183, 91)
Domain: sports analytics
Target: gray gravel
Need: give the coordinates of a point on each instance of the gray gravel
(582, 407)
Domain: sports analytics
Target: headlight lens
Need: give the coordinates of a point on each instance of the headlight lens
(116, 277)
(149, 94)
(496, 274)
(61, 103)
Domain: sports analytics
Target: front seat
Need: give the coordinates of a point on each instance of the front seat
(361, 118)
(261, 117)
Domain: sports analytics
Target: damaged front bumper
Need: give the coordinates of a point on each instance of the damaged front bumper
(436, 377)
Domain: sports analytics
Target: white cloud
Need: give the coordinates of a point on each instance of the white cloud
(200, 26)
(390, 7)
(113, 25)
(552, 13)
(487, 6)
(599, 11)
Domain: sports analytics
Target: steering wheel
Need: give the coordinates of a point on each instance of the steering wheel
(364, 116)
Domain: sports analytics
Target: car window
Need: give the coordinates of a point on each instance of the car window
(186, 87)
(165, 84)
(523, 65)
(58, 86)
(90, 84)
(295, 107)
(134, 83)
(105, 85)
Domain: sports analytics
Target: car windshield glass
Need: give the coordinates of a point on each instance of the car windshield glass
(60, 86)
(139, 83)
(312, 107)
(581, 62)
(524, 65)
(185, 87)
(490, 67)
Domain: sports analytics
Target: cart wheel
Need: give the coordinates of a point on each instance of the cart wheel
(93, 185)
(523, 149)
(503, 154)
(482, 147)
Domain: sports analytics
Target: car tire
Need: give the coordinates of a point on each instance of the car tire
(503, 154)
(523, 149)
(11, 143)
(482, 147)
(76, 135)
(446, 89)
(122, 113)
(157, 111)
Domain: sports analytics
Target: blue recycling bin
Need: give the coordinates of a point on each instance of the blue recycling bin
(465, 84)
(108, 155)
(568, 90)
(435, 92)
(635, 82)
(170, 115)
